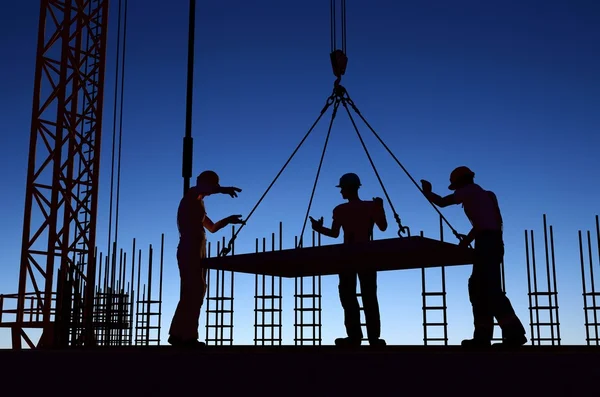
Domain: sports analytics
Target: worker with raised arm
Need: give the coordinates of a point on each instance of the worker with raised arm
(485, 287)
(191, 222)
(356, 218)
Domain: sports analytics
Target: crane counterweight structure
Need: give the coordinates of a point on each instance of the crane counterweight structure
(59, 228)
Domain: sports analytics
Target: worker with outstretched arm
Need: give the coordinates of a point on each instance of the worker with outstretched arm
(356, 218)
(485, 287)
(191, 222)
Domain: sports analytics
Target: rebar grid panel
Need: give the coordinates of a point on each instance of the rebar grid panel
(590, 296)
(549, 323)
(219, 321)
(267, 302)
(115, 309)
(307, 303)
(440, 308)
(59, 225)
(149, 309)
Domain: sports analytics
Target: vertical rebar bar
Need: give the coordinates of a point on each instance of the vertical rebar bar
(592, 284)
(208, 273)
(221, 329)
(529, 286)
(131, 295)
(550, 292)
(424, 299)
(583, 286)
(149, 302)
(296, 301)
(273, 296)
(320, 311)
(444, 303)
(280, 288)
(232, 285)
(555, 284)
(160, 283)
(263, 297)
(256, 282)
(536, 297)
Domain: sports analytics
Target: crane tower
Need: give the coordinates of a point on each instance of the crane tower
(57, 270)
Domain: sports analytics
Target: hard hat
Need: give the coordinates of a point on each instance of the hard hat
(209, 177)
(349, 180)
(459, 174)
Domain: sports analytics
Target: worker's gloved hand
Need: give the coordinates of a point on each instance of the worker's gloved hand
(426, 186)
(235, 220)
(464, 241)
(232, 191)
(378, 201)
(316, 224)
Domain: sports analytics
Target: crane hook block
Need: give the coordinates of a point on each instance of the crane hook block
(339, 61)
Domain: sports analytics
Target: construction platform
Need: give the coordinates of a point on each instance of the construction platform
(295, 370)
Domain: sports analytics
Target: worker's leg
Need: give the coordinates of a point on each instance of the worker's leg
(349, 301)
(483, 318)
(184, 326)
(368, 290)
(501, 307)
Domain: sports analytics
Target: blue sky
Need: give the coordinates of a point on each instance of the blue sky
(509, 88)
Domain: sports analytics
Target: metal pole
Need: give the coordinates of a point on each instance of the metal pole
(188, 142)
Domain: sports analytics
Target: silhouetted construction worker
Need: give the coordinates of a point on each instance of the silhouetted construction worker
(356, 218)
(485, 286)
(191, 222)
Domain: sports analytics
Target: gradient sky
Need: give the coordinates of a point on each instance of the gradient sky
(509, 88)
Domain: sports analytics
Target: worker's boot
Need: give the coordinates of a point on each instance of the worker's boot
(377, 342)
(511, 341)
(475, 344)
(178, 342)
(348, 342)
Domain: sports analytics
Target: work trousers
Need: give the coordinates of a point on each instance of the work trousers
(485, 290)
(349, 300)
(192, 290)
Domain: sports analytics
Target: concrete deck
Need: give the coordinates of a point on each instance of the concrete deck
(305, 370)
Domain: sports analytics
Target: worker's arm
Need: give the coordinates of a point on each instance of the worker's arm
(441, 201)
(436, 199)
(207, 190)
(333, 232)
(468, 239)
(379, 217)
(215, 227)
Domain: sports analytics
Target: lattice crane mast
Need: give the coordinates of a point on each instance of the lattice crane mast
(57, 269)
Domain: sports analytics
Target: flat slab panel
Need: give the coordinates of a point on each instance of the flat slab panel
(387, 254)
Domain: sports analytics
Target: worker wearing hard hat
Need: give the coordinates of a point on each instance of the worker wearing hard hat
(485, 288)
(356, 218)
(191, 222)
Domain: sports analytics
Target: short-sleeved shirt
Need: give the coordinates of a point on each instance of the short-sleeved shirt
(357, 218)
(480, 206)
(190, 217)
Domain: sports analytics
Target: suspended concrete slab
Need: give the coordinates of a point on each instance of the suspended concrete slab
(388, 254)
